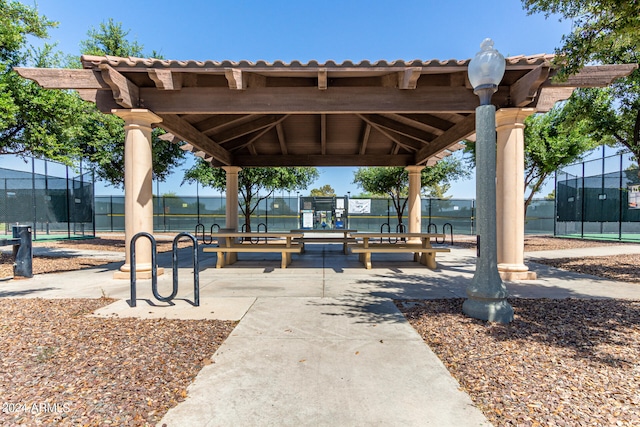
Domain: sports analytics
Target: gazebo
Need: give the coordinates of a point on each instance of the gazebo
(247, 114)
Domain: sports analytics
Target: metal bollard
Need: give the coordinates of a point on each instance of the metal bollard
(23, 253)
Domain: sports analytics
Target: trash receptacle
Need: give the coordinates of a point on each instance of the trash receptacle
(23, 253)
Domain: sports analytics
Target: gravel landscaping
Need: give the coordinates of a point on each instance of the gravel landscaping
(61, 367)
(559, 363)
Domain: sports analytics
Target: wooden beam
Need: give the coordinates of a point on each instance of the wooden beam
(309, 100)
(455, 134)
(125, 93)
(235, 79)
(398, 140)
(56, 78)
(322, 79)
(248, 140)
(218, 122)
(365, 139)
(323, 134)
(550, 95)
(320, 160)
(417, 122)
(186, 132)
(408, 79)
(400, 128)
(165, 79)
(597, 75)
(281, 139)
(524, 91)
(260, 122)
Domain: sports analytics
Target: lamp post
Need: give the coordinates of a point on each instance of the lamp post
(486, 294)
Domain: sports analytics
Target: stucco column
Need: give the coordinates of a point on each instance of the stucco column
(138, 195)
(231, 212)
(232, 197)
(510, 193)
(415, 208)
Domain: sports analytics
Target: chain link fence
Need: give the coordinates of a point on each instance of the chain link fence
(599, 199)
(55, 207)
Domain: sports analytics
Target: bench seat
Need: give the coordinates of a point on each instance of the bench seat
(426, 256)
(247, 247)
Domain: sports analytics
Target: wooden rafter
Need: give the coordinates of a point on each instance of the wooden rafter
(365, 139)
(408, 79)
(323, 134)
(260, 122)
(165, 79)
(524, 91)
(322, 79)
(320, 160)
(399, 128)
(125, 93)
(281, 139)
(455, 134)
(185, 131)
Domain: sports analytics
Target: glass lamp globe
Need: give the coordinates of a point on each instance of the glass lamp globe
(486, 69)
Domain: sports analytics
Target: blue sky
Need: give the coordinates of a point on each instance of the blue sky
(310, 30)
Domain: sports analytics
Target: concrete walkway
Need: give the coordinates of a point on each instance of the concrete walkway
(321, 342)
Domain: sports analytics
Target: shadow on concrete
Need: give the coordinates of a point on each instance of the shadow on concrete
(23, 292)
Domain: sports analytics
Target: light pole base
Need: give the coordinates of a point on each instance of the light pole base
(492, 310)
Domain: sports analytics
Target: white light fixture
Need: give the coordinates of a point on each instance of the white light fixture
(486, 70)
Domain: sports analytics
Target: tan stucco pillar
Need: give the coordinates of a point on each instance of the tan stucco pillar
(138, 195)
(232, 197)
(231, 211)
(510, 193)
(415, 208)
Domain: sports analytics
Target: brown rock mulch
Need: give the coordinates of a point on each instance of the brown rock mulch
(60, 367)
(624, 268)
(559, 363)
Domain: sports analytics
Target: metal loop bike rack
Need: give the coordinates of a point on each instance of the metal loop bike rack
(388, 227)
(444, 231)
(434, 226)
(204, 239)
(154, 268)
(401, 228)
(196, 266)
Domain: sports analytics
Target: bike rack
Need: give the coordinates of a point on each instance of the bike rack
(200, 226)
(388, 227)
(444, 231)
(434, 226)
(401, 228)
(154, 268)
(196, 265)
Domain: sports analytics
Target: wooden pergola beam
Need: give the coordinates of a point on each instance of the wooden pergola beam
(186, 132)
(125, 93)
(308, 100)
(320, 160)
(455, 134)
(524, 91)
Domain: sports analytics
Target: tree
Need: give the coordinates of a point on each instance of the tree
(394, 181)
(603, 31)
(33, 121)
(324, 191)
(254, 184)
(102, 136)
(553, 140)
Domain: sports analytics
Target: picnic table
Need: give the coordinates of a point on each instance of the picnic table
(340, 235)
(417, 243)
(230, 244)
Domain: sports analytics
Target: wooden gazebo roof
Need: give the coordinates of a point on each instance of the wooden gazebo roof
(314, 114)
